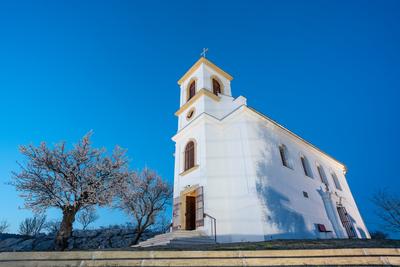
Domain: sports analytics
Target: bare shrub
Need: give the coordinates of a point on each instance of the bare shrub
(388, 209)
(86, 217)
(4, 226)
(32, 226)
(52, 227)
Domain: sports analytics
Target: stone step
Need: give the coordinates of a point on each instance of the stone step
(194, 240)
(191, 241)
(178, 238)
(354, 257)
(161, 238)
(178, 235)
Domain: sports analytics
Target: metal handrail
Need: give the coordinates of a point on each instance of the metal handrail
(213, 220)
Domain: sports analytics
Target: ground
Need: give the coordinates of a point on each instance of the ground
(290, 244)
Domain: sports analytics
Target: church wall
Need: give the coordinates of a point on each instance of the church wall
(198, 107)
(218, 109)
(279, 186)
(287, 213)
(196, 176)
(197, 76)
(230, 192)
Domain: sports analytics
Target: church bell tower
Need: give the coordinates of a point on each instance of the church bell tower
(201, 84)
(205, 98)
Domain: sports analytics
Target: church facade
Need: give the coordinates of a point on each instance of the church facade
(241, 176)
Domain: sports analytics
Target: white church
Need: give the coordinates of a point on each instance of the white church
(241, 176)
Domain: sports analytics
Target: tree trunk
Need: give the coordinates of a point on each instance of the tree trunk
(61, 242)
(139, 233)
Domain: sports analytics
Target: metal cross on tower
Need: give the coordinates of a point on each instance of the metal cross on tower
(203, 54)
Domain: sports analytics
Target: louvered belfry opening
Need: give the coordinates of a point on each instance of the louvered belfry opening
(192, 90)
(189, 155)
(216, 87)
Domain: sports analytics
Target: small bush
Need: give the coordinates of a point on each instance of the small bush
(378, 235)
(32, 226)
(4, 226)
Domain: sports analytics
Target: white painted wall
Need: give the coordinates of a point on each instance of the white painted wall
(246, 187)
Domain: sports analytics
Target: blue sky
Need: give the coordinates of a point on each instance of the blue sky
(327, 70)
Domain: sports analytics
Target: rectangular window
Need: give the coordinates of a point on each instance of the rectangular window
(336, 181)
(283, 156)
(303, 162)
(322, 228)
(322, 175)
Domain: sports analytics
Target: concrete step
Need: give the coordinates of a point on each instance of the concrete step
(198, 238)
(335, 257)
(194, 240)
(179, 241)
(177, 235)
(178, 238)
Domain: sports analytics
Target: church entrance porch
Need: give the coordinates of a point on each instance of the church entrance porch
(188, 210)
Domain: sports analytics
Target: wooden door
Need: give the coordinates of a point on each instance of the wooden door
(190, 213)
(176, 214)
(199, 207)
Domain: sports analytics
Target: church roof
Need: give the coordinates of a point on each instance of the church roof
(203, 60)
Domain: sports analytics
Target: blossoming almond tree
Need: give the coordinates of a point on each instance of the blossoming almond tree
(69, 180)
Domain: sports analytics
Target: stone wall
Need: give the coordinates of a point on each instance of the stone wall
(80, 240)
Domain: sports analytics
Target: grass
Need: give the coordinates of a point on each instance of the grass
(288, 244)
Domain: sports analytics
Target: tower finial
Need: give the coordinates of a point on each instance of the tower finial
(203, 54)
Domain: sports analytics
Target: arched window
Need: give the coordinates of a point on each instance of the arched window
(336, 181)
(322, 175)
(192, 90)
(216, 87)
(284, 155)
(189, 155)
(306, 166)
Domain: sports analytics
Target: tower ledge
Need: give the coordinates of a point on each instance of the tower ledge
(205, 61)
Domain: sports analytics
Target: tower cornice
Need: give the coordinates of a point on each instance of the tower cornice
(200, 93)
(205, 61)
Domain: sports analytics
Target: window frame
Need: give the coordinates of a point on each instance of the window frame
(190, 114)
(322, 175)
(189, 160)
(219, 84)
(336, 181)
(189, 90)
(306, 166)
(283, 152)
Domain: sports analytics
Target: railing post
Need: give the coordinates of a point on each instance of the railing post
(213, 221)
(215, 230)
